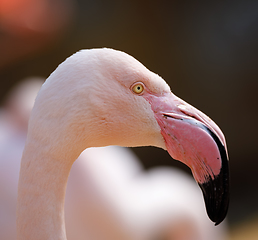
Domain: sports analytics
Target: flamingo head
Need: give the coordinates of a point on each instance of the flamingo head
(106, 97)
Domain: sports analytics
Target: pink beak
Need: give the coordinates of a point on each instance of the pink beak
(194, 139)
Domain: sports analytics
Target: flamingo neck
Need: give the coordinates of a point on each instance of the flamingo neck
(41, 194)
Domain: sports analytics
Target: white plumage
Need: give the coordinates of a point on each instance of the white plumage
(90, 101)
(106, 186)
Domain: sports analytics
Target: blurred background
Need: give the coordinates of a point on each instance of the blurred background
(206, 51)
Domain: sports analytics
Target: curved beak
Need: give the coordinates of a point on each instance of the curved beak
(194, 139)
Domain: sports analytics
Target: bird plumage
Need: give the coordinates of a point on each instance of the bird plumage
(89, 101)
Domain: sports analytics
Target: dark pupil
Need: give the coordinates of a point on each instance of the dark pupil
(139, 88)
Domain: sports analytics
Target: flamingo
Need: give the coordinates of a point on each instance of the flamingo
(131, 203)
(14, 117)
(103, 97)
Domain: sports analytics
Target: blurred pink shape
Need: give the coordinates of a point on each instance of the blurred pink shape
(34, 15)
(28, 25)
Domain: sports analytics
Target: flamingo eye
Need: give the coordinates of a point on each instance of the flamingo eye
(138, 88)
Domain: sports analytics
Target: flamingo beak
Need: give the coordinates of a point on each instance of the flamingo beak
(194, 139)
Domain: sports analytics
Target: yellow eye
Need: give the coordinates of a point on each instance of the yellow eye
(138, 88)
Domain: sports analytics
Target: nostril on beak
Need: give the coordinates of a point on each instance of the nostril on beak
(183, 109)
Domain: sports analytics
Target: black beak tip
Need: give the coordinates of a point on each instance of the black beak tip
(216, 189)
(216, 195)
(216, 202)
